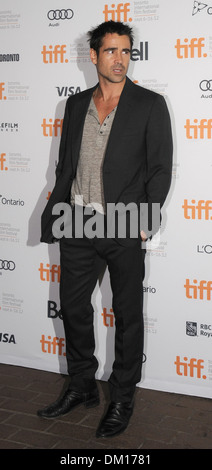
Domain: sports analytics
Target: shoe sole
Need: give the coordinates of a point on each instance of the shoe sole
(87, 404)
(100, 436)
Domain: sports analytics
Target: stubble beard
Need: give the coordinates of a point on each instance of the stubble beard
(113, 78)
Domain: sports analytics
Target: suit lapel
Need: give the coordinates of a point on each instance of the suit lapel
(120, 121)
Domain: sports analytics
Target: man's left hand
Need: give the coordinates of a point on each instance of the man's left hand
(143, 236)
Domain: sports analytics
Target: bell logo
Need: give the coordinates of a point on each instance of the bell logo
(200, 292)
(49, 274)
(117, 14)
(52, 128)
(2, 162)
(197, 210)
(54, 55)
(198, 131)
(190, 50)
(2, 96)
(191, 369)
(142, 53)
(53, 311)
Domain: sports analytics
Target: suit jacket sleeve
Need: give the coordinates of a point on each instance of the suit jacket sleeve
(159, 152)
(63, 141)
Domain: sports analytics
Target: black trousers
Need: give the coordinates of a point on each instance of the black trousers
(81, 263)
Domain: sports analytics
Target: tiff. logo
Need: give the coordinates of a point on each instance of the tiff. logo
(108, 318)
(200, 210)
(2, 89)
(2, 162)
(117, 14)
(53, 345)
(54, 55)
(191, 369)
(52, 128)
(197, 130)
(201, 291)
(49, 274)
(190, 50)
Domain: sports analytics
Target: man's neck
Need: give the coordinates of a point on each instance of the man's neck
(107, 91)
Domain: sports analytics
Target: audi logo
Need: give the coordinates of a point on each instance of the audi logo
(60, 14)
(7, 265)
(206, 85)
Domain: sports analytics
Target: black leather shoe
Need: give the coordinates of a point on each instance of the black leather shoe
(68, 401)
(116, 419)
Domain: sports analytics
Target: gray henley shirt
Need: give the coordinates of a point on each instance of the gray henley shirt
(87, 187)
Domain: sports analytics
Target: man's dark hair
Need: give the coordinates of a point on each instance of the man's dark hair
(97, 34)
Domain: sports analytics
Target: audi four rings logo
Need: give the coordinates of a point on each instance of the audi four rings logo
(206, 85)
(60, 14)
(7, 265)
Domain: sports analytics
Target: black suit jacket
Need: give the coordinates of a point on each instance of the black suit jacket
(138, 160)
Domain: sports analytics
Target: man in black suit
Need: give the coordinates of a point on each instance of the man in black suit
(116, 147)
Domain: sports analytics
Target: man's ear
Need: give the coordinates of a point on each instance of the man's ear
(93, 56)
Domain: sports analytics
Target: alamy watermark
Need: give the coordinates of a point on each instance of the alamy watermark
(120, 220)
